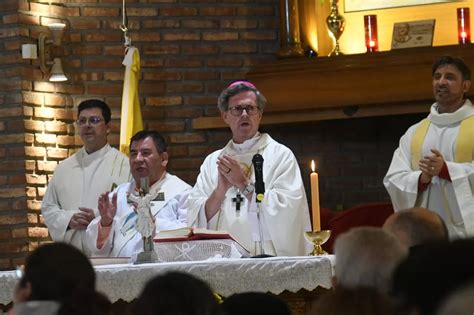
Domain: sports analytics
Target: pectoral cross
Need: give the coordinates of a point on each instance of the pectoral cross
(238, 200)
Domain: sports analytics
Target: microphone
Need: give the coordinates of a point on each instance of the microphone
(257, 161)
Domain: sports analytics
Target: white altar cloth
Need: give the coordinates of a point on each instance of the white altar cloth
(225, 276)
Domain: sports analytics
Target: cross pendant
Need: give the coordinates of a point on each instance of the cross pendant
(238, 200)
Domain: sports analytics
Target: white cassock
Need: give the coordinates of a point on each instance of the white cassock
(285, 215)
(453, 201)
(124, 240)
(77, 182)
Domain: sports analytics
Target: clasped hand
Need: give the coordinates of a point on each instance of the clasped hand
(80, 220)
(230, 173)
(431, 166)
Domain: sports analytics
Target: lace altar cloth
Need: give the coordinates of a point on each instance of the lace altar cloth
(198, 250)
(225, 276)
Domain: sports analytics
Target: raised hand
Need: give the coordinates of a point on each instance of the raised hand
(107, 209)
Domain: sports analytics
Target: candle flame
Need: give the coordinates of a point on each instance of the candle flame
(372, 43)
(463, 34)
(313, 166)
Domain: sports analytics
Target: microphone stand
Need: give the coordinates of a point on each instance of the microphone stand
(257, 161)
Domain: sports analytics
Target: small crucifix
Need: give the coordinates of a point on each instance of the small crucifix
(238, 200)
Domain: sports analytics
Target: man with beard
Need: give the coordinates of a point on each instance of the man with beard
(433, 166)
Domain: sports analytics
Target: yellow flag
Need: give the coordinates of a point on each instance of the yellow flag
(131, 118)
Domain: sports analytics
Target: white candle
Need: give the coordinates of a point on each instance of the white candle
(315, 198)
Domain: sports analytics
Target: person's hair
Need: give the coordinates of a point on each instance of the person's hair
(255, 303)
(355, 301)
(460, 302)
(158, 139)
(457, 62)
(93, 103)
(417, 226)
(367, 256)
(236, 88)
(60, 272)
(176, 293)
(431, 272)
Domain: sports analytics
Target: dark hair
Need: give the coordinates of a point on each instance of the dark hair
(236, 88)
(176, 293)
(431, 272)
(257, 303)
(457, 62)
(96, 104)
(158, 139)
(60, 272)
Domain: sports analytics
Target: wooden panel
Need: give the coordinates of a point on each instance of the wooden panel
(387, 83)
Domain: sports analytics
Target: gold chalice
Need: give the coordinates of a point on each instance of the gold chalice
(317, 238)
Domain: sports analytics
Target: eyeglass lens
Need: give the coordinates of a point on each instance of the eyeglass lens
(238, 110)
(93, 120)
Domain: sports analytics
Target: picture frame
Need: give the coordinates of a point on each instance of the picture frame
(366, 5)
(413, 34)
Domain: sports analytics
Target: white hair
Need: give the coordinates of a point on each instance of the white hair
(367, 257)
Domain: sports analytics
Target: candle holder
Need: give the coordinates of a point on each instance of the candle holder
(317, 238)
(371, 39)
(464, 28)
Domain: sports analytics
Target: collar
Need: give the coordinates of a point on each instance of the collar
(465, 111)
(246, 145)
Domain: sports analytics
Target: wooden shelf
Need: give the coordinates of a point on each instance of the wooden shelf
(378, 84)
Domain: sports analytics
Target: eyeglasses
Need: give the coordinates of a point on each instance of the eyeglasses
(238, 110)
(93, 121)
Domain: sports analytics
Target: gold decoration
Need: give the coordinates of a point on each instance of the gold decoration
(336, 24)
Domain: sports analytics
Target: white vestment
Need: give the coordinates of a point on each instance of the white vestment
(285, 215)
(77, 182)
(454, 200)
(168, 210)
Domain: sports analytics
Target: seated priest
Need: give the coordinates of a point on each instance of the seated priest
(224, 196)
(115, 232)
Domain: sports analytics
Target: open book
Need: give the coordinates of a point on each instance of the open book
(190, 234)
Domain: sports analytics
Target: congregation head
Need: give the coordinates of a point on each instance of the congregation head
(176, 293)
(367, 256)
(94, 103)
(416, 226)
(60, 273)
(254, 303)
(431, 272)
(238, 87)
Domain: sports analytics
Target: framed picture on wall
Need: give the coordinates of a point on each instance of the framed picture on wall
(413, 34)
(365, 5)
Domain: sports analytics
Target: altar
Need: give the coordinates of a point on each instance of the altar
(285, 276)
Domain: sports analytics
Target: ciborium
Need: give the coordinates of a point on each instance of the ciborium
(336, 24)
(317, 238)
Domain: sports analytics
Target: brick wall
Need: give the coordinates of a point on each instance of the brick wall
(190, 50)
(13, 218)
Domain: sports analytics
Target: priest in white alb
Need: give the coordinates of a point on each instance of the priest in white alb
(434, 164)
(224, 195)
(115, 232)
(70, 201)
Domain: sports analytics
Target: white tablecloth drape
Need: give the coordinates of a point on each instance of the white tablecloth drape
(226, 276)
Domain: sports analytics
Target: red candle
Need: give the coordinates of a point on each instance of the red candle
(371, 40)
(464, 29)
